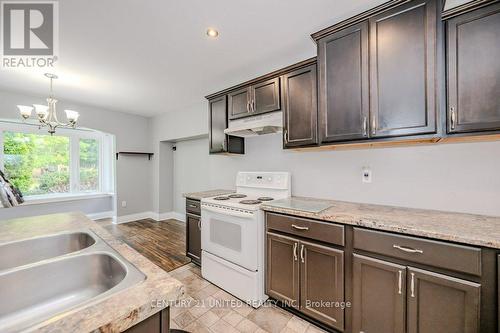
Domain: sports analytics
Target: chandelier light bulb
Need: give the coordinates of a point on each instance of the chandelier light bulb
(72, 116)
(42, 111)
(25, 111)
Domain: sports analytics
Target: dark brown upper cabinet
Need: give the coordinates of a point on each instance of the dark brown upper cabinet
(259, 98)
(343, 84)
(439, 303)
(403, 73)
(282, 272)
(219, 142)
(473, 55)
(266, 96)
(239, 103)
(300, 110)
(379, 296)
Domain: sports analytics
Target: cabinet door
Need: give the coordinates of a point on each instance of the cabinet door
(403, 70)
(343, 87)
(322, 283)
(239, 103)
(193, 237)
(217, 123)
(474, 71)
(300, 110)
(379, 296)
(440, 303)
(266, 96)
(282, 273)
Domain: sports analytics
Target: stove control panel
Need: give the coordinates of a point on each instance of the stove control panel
(268, 180)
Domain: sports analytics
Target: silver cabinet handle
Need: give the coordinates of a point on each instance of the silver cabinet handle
(248, 107)
(199, 224)
(302, 253)
(253, 105)
(193, 206)
(400, 282)
(295, 256)
(412, 287)
(285, 136)
(365, 126)
(299, 228)
(453, 117)
(407, 249)
(374, 125)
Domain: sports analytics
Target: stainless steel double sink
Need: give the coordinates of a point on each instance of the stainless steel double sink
(48, 276)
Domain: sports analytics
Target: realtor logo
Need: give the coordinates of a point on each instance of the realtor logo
(29, 34)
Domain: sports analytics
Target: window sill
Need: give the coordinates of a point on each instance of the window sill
(43, 199)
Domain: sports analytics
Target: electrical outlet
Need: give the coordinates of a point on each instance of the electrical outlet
(124, 204)
(367, 175)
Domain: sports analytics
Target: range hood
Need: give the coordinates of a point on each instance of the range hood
(256, 125)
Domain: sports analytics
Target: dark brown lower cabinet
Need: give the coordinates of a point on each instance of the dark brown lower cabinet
(384, 294)
(440, 303)
(322, 283)
(193, 237)
(283, 269)
(379, 298)
(157, 323)
(306, 276)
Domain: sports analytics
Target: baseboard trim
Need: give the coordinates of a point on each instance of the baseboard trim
(101, 215)
(150, 215)
(134, 217)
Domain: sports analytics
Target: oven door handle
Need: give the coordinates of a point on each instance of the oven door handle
(227, 212)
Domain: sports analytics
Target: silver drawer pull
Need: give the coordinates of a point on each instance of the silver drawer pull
(193, 206)
(407, 249)
(412, 285)
(299, 227)
(295, 256)
(400, 282)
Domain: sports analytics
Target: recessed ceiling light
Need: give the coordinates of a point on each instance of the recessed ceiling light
(211, 32)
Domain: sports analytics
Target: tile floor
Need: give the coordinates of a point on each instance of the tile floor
(208, 309)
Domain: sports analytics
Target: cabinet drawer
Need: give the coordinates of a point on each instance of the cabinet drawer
(193, 206)
(433, 253)
(321, 231)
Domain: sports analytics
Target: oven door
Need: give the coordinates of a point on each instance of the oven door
(230, 235)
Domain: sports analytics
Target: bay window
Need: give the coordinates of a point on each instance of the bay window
(70, 162)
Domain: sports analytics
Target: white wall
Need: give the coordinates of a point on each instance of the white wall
(453, 177)
(133, 174)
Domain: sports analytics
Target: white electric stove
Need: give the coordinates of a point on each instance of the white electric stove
(233, 234)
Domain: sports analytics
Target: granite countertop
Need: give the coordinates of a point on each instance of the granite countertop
(206, 194)
(456, 227)
(117, 312)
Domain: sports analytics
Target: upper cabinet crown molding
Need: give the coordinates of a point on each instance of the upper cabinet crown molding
(452, 8)
(264, 77)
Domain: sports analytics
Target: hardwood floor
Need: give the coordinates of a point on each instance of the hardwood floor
(164, 242)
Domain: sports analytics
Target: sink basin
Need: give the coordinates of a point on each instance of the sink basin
(35, 293)
(28, 251)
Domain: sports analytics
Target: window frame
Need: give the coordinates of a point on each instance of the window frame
(105, 141)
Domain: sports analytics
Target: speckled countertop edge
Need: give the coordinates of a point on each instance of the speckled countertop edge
(117, 312)
(206, 194)
(468, 229)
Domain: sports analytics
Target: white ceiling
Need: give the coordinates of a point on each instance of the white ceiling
(152, 56)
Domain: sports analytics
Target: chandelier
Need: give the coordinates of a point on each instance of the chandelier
(47, 114)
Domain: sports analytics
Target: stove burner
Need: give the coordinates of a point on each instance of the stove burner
(221, 198)
(237, 196)
(250, 202)
(265, 199)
